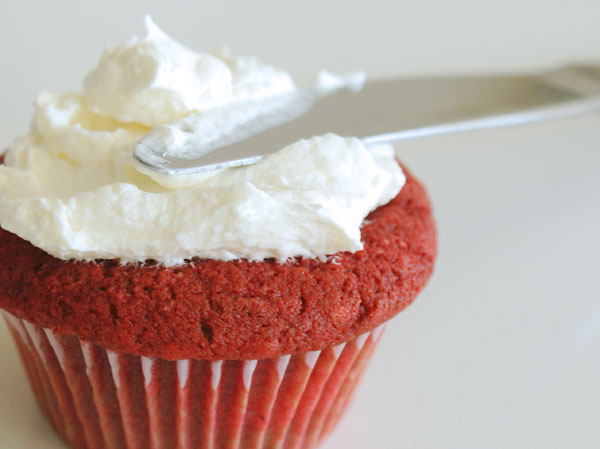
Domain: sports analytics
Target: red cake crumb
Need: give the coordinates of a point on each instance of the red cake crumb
(209, 309)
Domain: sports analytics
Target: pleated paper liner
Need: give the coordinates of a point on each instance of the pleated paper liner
(100, 399)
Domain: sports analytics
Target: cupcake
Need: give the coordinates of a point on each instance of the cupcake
(231, 309)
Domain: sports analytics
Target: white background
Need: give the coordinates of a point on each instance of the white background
(503, 348)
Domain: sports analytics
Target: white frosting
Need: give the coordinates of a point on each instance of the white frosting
(155, 80)
(328, 81)
(71, 187)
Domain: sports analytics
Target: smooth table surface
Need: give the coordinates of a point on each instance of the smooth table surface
(502, 350)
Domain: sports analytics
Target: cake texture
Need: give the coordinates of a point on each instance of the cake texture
(209, 309)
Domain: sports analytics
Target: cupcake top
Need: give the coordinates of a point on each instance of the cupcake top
(312, 246)
(213, 309)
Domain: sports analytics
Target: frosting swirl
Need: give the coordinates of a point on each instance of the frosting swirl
(71, 187)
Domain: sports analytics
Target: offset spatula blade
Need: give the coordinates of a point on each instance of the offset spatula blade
(395, 109)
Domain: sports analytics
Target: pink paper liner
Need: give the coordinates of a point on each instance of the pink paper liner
(100, 399)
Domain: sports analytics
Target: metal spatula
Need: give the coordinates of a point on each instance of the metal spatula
(390, 110)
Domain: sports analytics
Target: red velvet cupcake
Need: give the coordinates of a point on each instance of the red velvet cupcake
(110, 372)
(205, 353)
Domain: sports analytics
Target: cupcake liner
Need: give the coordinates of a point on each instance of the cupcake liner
(100, 399)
